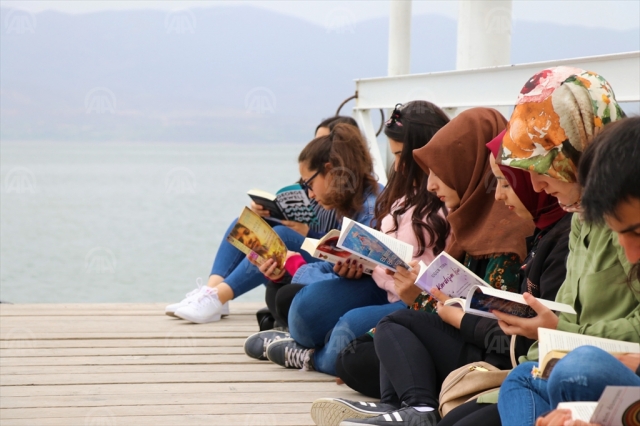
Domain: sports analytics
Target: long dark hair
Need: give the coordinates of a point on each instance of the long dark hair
(351, 167)
(413, 125)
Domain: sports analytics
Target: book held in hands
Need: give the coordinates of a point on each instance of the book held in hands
(617, 406)
(257, 239)
(469, 292)
(363, 244)
(289, 203)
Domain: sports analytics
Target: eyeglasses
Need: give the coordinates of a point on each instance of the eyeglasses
(306, 184)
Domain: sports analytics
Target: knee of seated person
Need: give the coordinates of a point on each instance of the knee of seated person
(578, 364)
(397, 317)
(520, 374)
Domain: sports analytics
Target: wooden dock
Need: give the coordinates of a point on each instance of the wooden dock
(129, 364)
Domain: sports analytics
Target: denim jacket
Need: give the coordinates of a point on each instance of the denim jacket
(320, 271)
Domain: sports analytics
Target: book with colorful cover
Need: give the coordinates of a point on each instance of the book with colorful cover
(447, 275)
(289, 203)
(374, 246)
(327, 249)
(257, 239)
(617, 406)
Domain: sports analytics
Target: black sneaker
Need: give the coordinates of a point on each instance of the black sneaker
(289, 354)
(405, 417)
(256, 345)
(331, 411)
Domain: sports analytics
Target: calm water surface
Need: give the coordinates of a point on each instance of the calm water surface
(123, 222)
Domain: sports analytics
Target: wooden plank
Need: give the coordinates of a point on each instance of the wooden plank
(115, 343)
(126, 369)
(279, 374)
(151, 388)
(127, 359)
(173, 346)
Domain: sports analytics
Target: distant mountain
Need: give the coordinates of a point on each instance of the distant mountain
(227, 74)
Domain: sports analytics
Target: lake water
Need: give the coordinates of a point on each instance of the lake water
(123, 222)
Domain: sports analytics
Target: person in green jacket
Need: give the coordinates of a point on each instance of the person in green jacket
(558, 114)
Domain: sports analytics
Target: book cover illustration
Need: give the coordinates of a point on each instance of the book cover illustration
(360, 241)
(447, 275)
(254, 237)
(487, 303)
(295, 205)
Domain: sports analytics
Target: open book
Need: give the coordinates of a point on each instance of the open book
(255, 238)
(553, 345)
(289, 203)
(327, 249)
(469, 292)
(374, 246)
(617, 406)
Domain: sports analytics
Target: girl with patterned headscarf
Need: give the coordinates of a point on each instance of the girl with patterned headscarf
(558, 113)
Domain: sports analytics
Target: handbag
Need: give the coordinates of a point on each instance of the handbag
(467, 382)
(472, 380)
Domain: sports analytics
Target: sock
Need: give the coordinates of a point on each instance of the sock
(424, 409)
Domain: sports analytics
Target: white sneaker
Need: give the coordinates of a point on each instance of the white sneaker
(190, 297)
(206, 307)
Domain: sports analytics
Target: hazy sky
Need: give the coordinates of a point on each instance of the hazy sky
(619, 14)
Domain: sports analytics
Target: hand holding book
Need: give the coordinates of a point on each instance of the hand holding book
(528, 327)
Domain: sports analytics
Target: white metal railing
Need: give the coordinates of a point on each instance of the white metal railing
(495, 87)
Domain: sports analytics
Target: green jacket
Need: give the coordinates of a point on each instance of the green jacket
(596, 287)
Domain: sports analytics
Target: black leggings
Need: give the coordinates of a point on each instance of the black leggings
(472, 414)
(279, 298)
(359, 368)
(417, 351)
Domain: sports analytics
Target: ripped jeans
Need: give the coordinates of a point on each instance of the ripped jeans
(580, 376)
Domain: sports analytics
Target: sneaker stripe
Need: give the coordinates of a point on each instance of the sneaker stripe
(397, 416)
(387, 417)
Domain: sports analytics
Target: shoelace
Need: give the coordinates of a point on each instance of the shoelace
(192, 293)
(206, 298)
(294, 357)
(266, 343)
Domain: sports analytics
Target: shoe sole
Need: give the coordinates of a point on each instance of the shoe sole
(197, 321)
(329, 412)
(224, 313)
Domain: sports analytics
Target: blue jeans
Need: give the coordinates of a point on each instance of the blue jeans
(231, 264)
(580, 376)
(328, 315)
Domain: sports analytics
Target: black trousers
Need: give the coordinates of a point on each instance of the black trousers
(279, 298)
(417, 350)
(472, 414)
(359, 368)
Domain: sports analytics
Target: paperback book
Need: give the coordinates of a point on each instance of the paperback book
(289, 203)
(327, 249)
(257, 239)
(617, 406)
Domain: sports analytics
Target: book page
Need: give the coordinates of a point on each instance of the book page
(358, 239)
(519, 298)
(254, 237)
(326, 249)
(579, 410)
(618, 406)
(447, 275)
(549, 340)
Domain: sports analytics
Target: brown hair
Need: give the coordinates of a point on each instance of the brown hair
(416, 124)
(350, 168)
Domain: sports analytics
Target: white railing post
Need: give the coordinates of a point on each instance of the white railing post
(399, 38)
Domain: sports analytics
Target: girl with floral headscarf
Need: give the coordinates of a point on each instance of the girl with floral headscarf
(558, 113)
